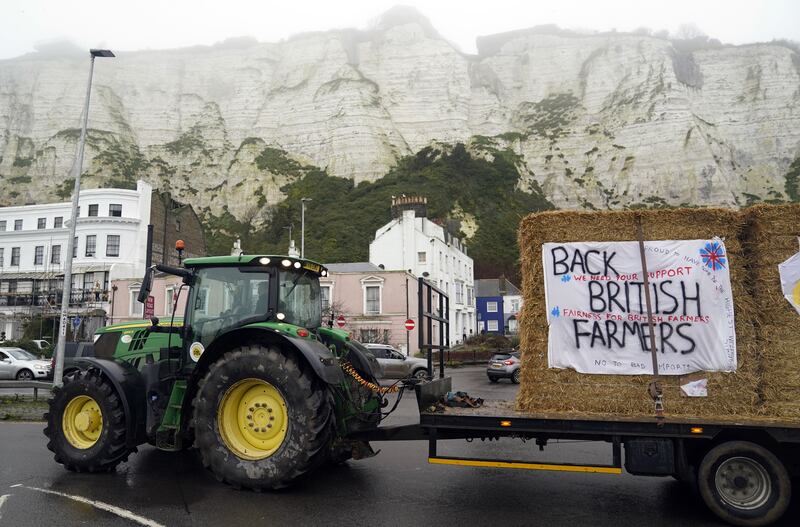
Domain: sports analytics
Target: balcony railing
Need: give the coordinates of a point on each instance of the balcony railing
(52, 299)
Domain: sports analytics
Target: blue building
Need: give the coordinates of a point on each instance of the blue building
(497, 305)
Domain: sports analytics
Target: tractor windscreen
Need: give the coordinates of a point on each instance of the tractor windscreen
(299, 298)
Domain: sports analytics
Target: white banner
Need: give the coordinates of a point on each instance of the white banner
(790, 280)
(597, 310)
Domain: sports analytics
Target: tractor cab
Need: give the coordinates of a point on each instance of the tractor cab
(231, 292)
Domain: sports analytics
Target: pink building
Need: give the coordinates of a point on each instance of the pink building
(125, 307)
(375, 303)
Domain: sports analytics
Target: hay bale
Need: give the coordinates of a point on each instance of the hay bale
(770, 236)
(545, 390)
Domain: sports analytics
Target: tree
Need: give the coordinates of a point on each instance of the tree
(690, 31)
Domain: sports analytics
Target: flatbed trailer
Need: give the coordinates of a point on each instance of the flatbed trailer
(742, 468)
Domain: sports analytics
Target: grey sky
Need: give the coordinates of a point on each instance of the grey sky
(159, 24)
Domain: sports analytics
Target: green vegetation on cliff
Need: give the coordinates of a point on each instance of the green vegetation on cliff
(342, 218)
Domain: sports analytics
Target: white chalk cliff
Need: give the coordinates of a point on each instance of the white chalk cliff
(598, 121)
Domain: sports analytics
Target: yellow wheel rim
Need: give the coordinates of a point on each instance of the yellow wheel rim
(252, 419)
(82, 422)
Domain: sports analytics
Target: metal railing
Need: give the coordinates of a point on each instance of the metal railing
(36, 385)
(53, 298)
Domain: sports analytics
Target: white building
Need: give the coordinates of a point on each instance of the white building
(110, 243)
(413, 243)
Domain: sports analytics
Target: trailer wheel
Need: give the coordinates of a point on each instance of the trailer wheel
(261, 419)
(744, 484)
(86, 424)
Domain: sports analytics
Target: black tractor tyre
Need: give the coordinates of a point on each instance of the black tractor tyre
(24, 375)
(744, 484)
(515, 376)
(309, 406)
(110, 449)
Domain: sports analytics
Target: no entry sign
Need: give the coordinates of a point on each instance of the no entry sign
(410, 324)
(340, 321)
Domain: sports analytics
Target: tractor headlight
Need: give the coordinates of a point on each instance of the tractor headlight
(286, 263)
(280, 316)
(264, 261)
(324, 273)
(297, 265)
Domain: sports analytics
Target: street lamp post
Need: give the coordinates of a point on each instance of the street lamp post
(303, 226)
(77, 168)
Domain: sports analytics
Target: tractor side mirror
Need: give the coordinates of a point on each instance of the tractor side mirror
(147, 285)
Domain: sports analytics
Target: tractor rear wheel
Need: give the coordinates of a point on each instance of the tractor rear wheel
(86, 424)
(262, 419)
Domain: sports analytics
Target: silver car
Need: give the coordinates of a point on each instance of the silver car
(395, 364)
(504, 366)
(16, 363)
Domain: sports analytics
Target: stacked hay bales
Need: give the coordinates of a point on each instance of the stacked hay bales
(545, 390)
(770, 237)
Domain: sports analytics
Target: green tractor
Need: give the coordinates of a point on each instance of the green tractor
(249, 376)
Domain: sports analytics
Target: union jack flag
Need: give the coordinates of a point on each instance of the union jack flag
(713, 256)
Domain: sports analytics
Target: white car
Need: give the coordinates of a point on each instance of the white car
(16, 363)
(42, 344)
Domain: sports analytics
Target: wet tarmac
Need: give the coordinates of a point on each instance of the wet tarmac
(397, 487)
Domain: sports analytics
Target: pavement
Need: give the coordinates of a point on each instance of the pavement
(397, 487)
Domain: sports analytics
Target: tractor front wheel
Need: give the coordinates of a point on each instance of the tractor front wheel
(86, 424)
(261, 418)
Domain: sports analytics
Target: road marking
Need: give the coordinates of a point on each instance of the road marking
(122, 513)
(3, 499)
(17, 485)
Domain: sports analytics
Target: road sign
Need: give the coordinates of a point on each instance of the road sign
(340, 321)
(149, 306)
(76, 322)
(410, 324)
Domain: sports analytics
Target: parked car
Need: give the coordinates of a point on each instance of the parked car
(16, 363)
(73, 350)
(504, 365)
(395, 364)
(41, 344)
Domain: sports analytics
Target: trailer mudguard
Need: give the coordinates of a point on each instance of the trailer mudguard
(129, 385)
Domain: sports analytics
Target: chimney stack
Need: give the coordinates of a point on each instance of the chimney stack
(418, 204)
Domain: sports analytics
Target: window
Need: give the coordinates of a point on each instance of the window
(87, 281)
(55, 254)
(38, 255)
(515, 306)
(12, 286)
(169, 300)
(17, 225)
(372, 305)
(112, 245)
(325, 296)
(14, 256)
(75, 247)
(134, 307)
(491, 325)
(422, 257)
(491, 307)
(114, 210)
(41, 223)
(2, 225)
(371, 335)
(94, 209)
(2, 257)
(58, 222)
(91, 245)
